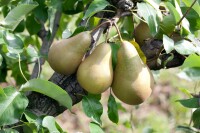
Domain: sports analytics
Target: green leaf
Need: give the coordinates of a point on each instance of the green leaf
(115, 48)
(41, 11)
(50, 123)
(66, 33)
(185, 91)
(196, 118)
(167, 26)
(17, 74)
(112, 109)
(92, 107)
(30, 117)
(168, 44)
(95, 128)
(186, 129)
(50, 89)
(191, 61)
(190, 103)
(195, 7)
(30, 21)
(16, 15)
(14, 43)
(150, 15)
(30, 128)
(72, 6)
(12, 105)
(185, 47)
(192, 73)
(4, 2)
(94, 7)
(9, 130)
(173, 11)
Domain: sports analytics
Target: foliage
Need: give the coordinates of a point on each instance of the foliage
(21, 38)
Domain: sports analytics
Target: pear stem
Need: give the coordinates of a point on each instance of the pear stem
(107, 34)
(118, 32)
(108, 21)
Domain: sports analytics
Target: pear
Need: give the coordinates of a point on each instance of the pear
(141, 33)
(95, 73)
(132, 81)
(65, 56)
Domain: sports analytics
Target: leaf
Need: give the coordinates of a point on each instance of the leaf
(95, 128)
(140, 52)
(196, 118)
(150, 15)
(173, 11)
(196, 6)
(192, 60)
(185, 91)
(8, 130)
(115, 48)
(30, 117)
(41, 11)
(66, 33)
(192, 73)
(4, 2)
(94, 7)
(50, 89)
(14, 43)
(72, 6)
(190, 103)
(16, 15)
(186, 129)
(167, 26)
(168, 44)
(12, 105)
(112, 109)
(185, 47)
(17, 74)
(50, 123)
(30, 21)
(92, 107)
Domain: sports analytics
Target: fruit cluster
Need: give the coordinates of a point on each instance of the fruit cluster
(131, 81)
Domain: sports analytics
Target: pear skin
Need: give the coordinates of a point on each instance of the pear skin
(95, 73)
(132, 81)
(141, 33)
(65, 56)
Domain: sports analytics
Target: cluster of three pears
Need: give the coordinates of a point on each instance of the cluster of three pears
(95, 73)
(132, 80)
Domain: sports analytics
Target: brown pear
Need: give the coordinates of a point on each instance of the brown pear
(95, 73)
(66, 55)
(132, 81)
(141, 33)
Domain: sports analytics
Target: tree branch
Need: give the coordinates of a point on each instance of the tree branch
(46, 43)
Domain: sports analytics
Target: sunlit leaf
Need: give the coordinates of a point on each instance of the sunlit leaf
(12, 104)
(92, 107)
(50, 123)
(191, 61)
(185, 47)
(94, 7)
(150, 15)
(168, 44)
(50, 89)
(16, 15)
(95, 128)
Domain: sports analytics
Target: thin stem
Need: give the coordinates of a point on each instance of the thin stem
(186, 12)
(108, 21)
(107, 34)
(39, 70)
(20, 68)
(118, 32)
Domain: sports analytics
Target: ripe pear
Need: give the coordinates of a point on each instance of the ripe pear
(141, 33)
(132, 81)
(95, 73)
(66, 55)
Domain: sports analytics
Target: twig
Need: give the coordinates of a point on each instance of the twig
(186, 12)
(46, 43)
